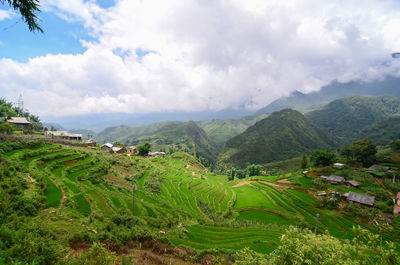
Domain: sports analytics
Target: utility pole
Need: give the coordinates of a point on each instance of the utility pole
(133, 200)
(316, 222)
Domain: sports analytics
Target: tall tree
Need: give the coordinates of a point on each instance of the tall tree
(28, 10)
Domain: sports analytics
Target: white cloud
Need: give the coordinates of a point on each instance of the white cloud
(5, 14)
(204, 54)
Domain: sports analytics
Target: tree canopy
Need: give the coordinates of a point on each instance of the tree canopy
(144, 148)
(28, 10)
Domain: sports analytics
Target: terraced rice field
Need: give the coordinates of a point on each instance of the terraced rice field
(92, 183)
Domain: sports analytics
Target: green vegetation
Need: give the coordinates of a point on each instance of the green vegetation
(85, 197)
(7, 109)
(343, 119)
(283, 135)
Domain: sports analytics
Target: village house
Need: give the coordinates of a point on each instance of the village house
(352, 183)
(361, 198)
(338, 165)
(379, 168)
(131, 150)
(333, 179)
(63, 135)
(106, 147)
(91, 142)
(118, 150)
(396, 208)
(20, 123)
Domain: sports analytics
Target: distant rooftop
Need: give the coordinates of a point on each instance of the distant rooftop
(18, 120)
(361, 198)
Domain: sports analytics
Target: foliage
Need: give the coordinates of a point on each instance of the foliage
(364, 151)
(299, 246)
(144, 148)
(282, 135)
(382, 132)
(6, 127)
(304, 162)
(253, 170)
(322, 157)
(395, 145)
(96, 255)
(344, 118)
(28, 10)
(7, 109)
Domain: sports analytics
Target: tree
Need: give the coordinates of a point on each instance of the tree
(395, 145)
(322, 157)
(347, 151)
(28, 10)
(304, 162)
(144, 148)
(6, 127)
(364, 152)
(253, 170)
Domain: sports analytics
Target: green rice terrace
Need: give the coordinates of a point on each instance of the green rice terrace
(88, 194)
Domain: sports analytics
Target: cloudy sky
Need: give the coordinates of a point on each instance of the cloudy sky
(138, 55)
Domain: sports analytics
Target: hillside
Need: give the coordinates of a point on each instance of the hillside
(343, 119)
(187, 136)
(382, 132)
(284, 134)
(333, 91)
(220, 131)
(128, 134)
(63, 199)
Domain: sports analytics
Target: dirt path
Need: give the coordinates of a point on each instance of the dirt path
(108, 204)
(380, 182)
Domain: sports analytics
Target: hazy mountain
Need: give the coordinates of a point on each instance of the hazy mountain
(57, 126)
(98, 122)
(344, 118)
(306, 102)
(282, 135)
(128, 134)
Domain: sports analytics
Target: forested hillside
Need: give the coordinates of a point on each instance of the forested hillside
(383, 132)
(182, 137)
(284, 134)
(343, 119)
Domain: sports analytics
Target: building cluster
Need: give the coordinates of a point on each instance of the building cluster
(63, 135)
(349, 196)
(130, 150)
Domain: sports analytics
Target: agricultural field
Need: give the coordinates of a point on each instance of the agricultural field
(175, 194)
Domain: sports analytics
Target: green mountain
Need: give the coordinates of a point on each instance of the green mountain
(187, 136)
(284, 134)
(383, 132)
(220, 131)
(344, 118)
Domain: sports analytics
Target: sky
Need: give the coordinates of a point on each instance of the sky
(138, 56)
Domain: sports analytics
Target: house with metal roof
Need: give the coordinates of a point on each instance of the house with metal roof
(64, 135)
(352, 183)
(20, 123)
(106, 147)
(361, 198)
(333, 179)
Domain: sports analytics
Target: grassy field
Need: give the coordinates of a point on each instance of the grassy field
(83, 185)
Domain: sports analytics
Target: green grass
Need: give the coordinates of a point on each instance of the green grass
(263, 217)
(257, 198)
(206, 237)
(53, 193)
(83, 205)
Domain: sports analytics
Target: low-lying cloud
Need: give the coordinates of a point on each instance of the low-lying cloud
(196, 55)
